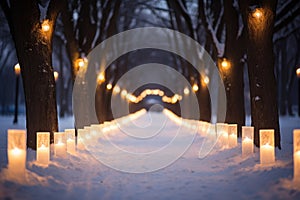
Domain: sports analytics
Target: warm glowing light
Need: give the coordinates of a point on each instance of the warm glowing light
(100, 78)
(174, 99)
(70, 136)
(124, 93)
(46, 25)
(205, 81)
(131, 98)
(164, 98)
(247, 140)
(60, 147)
(267, 149)
(55, 74)
(43, 148)
(117, 89)
(16, 152)
(81, 62)
(298, 72)
(109, 86)
(186, 91)
(225, 64)
(17, 69)
(296, 141)
(195, 87)
(156, 92)
(232, 131)
(257, 13)
(148, 92)
(161, 93)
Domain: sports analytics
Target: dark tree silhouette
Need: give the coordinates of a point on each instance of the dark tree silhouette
(263, 90)
(34, 51)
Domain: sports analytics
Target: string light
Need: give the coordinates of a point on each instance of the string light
(206, 80)
(156, 92)
(225, 64)
(186, 91)
(55, 74)
(195, 87)
(100, 78)
(45, 25)
(124, 93)
(80, 62)
(257, 13)
(116, 89)
(109, 86)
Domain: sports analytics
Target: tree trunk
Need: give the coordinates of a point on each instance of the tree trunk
(264, 108)
(233, 77)
(34, 53)
(283, 76)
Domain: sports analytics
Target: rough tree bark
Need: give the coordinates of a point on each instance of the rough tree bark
(263, 89)
(34, 51)
(233, 77)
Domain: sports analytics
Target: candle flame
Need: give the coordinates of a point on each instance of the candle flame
(60, 142)
(267, 145)
(246, 139)
(16, 151)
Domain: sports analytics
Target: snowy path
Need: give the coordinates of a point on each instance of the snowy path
(221, 175)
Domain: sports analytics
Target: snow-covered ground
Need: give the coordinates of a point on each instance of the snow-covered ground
(223, 174)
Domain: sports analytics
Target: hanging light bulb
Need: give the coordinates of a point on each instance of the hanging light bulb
(298, 72)
(109, 86)
(45, 25)
(225, 64)
(195, 87)
(100, 78)
(80, 62)
(117, 89)
(55, 74)
(257, 13)
(186, 91)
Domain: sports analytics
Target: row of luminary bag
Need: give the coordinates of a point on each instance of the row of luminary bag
(225, 136)
(64, 143)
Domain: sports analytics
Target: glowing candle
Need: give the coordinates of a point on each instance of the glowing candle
(232, 131)
(205, 128)
(16, 153)
(87, 136)
(222, 134)
(211, 132)
(267, 150)
(60, 144)
(42, 148)
(95, 129)
(80, 138)
(247, 140)
(70, 134)
(297, 156)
